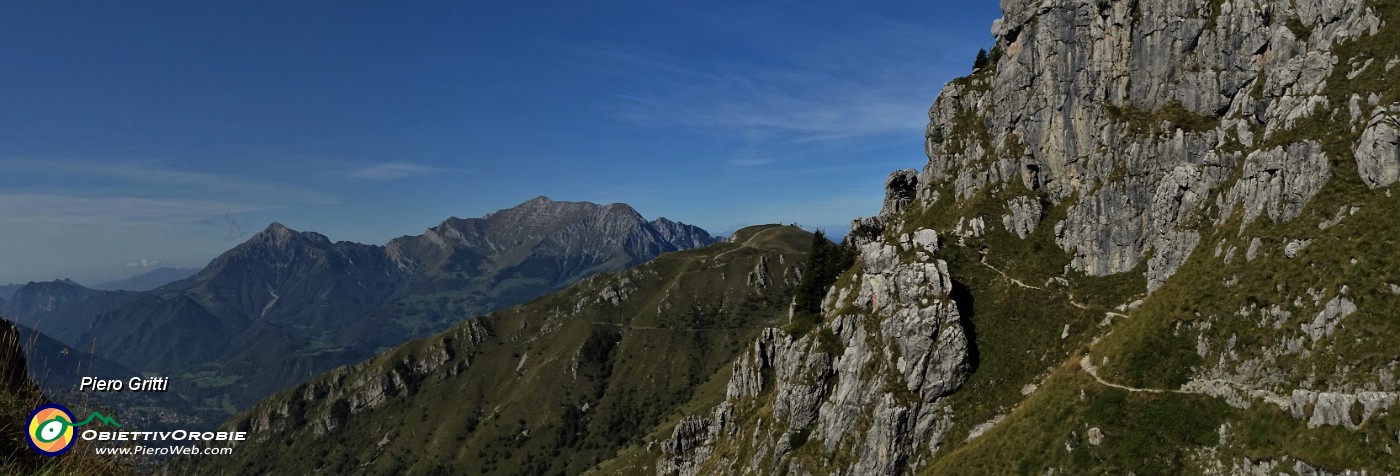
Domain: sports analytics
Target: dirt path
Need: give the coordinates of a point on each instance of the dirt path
(652, 328)
(745, 244)
(1086, 307)
(1072, 302)
(1205, 387)
(1087, 364)
(1013, 280)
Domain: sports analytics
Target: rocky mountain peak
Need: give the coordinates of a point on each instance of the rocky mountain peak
(681, 234)
(278, 237)
(46, 295)
(45, 305)
(276, 246)
(514, 232)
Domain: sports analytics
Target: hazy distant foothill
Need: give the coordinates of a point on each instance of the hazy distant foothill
(286, 305)
(148, 280)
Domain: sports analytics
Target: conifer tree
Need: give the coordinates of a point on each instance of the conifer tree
(981, 61)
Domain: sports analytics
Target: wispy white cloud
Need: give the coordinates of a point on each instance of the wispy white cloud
(144, 263)
(395, 170)
(126, 177)
(875, 84)
(780, 106)
(40, 207)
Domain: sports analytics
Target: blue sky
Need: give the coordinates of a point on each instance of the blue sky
(143, 134)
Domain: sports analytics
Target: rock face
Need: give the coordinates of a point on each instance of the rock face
(1024, 216)
(1278, 182)
(1189, 81)
(36, 298)
(1136, 131)
(868, 383)
(1378, 154)
(336, 395)
(63, 309)
(571, 236)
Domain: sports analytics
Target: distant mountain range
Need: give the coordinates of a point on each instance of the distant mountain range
(286, 305)
(61, 309)
(142, 282)
(8, 290)
(148, 280)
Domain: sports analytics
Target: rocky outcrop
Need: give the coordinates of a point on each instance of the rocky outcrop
(680, 235)
(1277, 182)
(1023, 214)
(326, 403)
(692, 442)
(869, 383)
(1251, 467)
(43, 297)
(900, 189)
(1348, 410)
(1326, 321)
(1378, 154)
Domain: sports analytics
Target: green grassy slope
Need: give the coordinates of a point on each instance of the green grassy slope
(549, 387)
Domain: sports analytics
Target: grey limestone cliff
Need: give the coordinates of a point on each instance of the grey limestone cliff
(868, 384)
(1136, 132)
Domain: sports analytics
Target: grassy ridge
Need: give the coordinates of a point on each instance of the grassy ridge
(553, 386)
